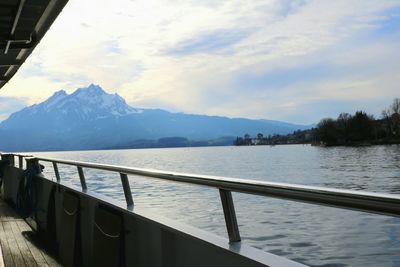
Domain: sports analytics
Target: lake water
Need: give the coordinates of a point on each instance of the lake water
(314, 235)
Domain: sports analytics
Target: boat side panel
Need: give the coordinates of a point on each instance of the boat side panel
(147, 240)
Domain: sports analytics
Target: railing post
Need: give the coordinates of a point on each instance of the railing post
(34, 169)
(55, 167)
(127, 189)
(20, 163)
(82, 178)
(230, 215)
(9, 157)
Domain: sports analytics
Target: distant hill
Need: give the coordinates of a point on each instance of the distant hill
(90, 118)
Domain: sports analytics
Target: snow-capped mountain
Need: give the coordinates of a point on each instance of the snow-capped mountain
(91, 118)
(89, 103)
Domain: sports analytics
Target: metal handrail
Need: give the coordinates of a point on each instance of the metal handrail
(380, 203)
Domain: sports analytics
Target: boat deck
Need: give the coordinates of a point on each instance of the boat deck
(19, 244)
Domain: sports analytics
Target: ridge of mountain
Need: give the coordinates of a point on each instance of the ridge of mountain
(91, 118)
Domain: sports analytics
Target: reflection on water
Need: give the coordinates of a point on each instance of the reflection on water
(314, 235)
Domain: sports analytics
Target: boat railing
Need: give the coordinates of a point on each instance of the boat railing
(380, 203)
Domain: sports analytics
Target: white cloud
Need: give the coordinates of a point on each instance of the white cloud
(9, 104)
(187, 55)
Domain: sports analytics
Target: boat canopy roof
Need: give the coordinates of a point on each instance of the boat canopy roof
(23, 23)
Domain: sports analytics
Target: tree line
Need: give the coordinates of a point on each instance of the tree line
(361, 128)
(347, 129)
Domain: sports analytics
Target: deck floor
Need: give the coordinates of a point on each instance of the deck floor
(19, 244)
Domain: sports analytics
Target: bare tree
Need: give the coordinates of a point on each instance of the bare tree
(395, 107)
(395, 117)
(343, 124)
(391, 116)
(386, 116)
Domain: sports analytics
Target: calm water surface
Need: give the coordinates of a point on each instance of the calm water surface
(317, 236)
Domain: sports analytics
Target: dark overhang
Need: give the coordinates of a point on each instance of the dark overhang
(23, 23)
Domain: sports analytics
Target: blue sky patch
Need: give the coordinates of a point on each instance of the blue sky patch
(208, 42)
(285, 77)
(391, 23)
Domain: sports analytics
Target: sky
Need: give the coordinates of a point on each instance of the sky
(296, 61)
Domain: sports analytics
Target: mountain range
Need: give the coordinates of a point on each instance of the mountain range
(91, 118)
